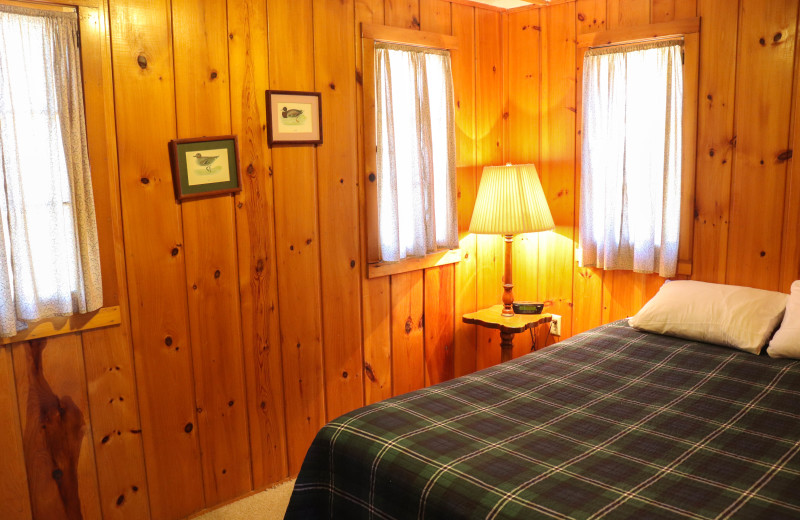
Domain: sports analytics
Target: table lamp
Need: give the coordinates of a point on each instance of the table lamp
(510, 201)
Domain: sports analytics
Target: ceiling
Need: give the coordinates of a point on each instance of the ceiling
(504, 4)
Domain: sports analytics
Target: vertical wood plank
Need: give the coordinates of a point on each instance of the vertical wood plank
(212, 278)
(715, 138)
(463, 63)
(591, 15)
(587, 282)
(556, 248)
(622, 13)
(255, 232)
(662, 11)
(685, 9)
(375, 293)
(439, 323)
(402, 13)
(144, 98)
(523, 69)
(408, 364)
(765, 70)
(291, 67)
(116, 428)
(15, 502)
(338, 206)
(490, 138)
(56, 426)
(790, 250)
(435, 16)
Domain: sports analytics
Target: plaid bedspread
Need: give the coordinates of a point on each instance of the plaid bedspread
(613, 423)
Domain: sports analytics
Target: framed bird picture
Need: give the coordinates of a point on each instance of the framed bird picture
(204, 166)
(294, 117)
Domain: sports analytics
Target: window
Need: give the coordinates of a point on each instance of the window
(632, 157)
(49, 259)
(414, 133)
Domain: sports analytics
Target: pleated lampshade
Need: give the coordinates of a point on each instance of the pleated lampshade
(510, 201)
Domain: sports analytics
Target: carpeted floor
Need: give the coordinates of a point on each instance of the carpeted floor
(269, 504)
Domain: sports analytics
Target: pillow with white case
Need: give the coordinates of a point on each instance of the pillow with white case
(728, 315)
(786, 342)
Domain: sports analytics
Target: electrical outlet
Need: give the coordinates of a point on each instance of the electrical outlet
(555, 325)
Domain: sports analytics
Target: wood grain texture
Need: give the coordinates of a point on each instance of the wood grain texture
(144, 99)
(715, 138)
(463, 64)
(15, 502)
(662, 11)
(764, 72)
(57, 429)
(408, 358)
(622, 13)
(375, 293)
(790, 251)
(116, 427)
(556, 248)
(338, 206)
(439, 291)
(255, 232)
(297, 238)
(402, 13)
(591, 16)
(201, 78)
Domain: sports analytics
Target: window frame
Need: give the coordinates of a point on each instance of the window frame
(370, 33)
(95, 50)
(689, 29)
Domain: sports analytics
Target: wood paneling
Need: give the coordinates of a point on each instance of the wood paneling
(145, 111)
(255, 231)
(764, 72)
(338, 176)
(291, 330)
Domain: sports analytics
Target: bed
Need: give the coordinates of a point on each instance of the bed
(612, 423)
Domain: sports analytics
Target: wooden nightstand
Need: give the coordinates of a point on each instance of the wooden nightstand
(491, 318)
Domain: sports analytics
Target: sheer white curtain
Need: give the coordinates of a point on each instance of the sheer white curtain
(631, 157)
(416, 151)
(49, 259)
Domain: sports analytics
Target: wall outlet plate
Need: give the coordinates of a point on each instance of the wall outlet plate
(555, 325)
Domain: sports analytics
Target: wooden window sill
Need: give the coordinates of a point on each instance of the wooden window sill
(59, 325)
(378, 269)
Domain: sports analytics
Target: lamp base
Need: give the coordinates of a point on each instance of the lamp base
(508, 284)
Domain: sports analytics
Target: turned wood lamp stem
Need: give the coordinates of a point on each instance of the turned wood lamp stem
(508, 283)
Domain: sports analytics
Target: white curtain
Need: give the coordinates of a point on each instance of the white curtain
(416, 151)
(49, 259)
(631, 157)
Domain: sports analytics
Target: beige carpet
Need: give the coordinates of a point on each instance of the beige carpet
(269, 504)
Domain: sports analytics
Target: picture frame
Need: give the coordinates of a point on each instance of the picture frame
(205, 166)
(294, 117)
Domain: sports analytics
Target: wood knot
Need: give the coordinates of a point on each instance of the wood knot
(269, 171)
(777, 37)
(344, 374)
(352, 264)
(142, 61)
(414, 22)
(105, 439)
(213, 74)
(230, 36)
(291, 248)
(711, 153)
(57, 474)
(175, 251)
(762, 41)
(145, 180)
(251, 170)
(369, 372)
(341, 181)
(230, 403)
(785, 156)
(371, 177)
(409, 325)
(260, 266)
(332, 85)
(263, 404)
(168, 341)
(494, 68)
(188, 428)
(763, 254)
(359, 77)
(581, 17)
(308, 241)
(120, 500)
(217, 273)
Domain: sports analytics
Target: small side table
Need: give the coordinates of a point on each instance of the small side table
(491, 318)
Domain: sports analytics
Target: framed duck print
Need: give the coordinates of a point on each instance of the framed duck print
(204, 166)
(294, 117)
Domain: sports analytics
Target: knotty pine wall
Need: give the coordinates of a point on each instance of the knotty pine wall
(747, 190)
(247, 320)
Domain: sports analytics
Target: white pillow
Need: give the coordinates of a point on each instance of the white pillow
(739, 317)
(786, 342)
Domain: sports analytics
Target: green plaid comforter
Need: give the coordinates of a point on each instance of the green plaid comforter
(613, 423)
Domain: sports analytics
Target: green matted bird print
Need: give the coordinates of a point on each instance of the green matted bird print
(294, 117)
(204, 166)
